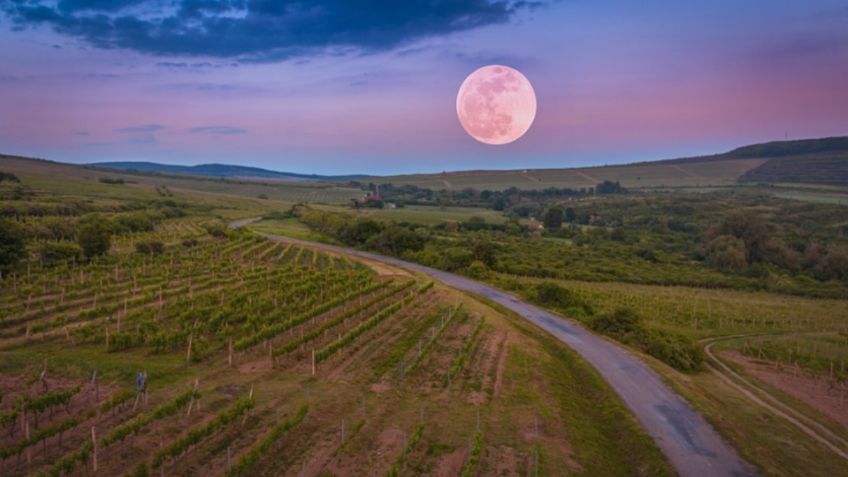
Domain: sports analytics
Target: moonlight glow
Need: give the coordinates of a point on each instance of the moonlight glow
(496, 104)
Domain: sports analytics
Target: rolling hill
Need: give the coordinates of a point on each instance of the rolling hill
(217, 170)
(809, 161)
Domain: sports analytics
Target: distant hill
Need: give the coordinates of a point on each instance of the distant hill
(218, 170)
(807, 161)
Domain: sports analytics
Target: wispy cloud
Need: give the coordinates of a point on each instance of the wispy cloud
(147, 128)
(222, 130)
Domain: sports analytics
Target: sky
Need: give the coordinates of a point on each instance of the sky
(369, 86)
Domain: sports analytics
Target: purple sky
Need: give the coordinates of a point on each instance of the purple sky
(333, 88)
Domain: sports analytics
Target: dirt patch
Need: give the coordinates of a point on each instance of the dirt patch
(255, 366)
(230, 390)
(820, 394)
(380, 388)
(502, 364)
(450, 465)
(507, 461)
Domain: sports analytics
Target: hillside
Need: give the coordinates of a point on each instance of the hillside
(810, 161)
(217, 170)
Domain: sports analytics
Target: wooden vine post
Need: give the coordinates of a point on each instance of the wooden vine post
(94, 451)
(230, 351)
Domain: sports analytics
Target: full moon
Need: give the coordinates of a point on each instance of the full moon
(496, 104)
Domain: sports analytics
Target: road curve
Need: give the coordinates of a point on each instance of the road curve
(692, 446)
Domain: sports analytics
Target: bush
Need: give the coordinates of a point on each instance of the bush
(620, 323)
(216, 230)
(52, 253)
(554, 296)
(624, 325)
(150, 247)
(12, 244)
(188, 243)
(727, 253)
(95, 235)
(478, 269)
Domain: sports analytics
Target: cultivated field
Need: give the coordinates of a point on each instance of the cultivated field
(657, 174)
(262, 358)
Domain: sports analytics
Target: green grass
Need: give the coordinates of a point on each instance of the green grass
(424, 215)
(287, 227)
(656, 174)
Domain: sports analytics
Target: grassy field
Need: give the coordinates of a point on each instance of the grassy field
(81, 181)
(695, 174)
(423, 215)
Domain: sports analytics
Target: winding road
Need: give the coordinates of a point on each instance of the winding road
(692, 446)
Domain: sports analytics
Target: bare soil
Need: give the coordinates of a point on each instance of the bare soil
(829, 398)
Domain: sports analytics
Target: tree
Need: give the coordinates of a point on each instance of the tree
(835, 263)
(750, 228)
(570, 215)
(12, 244)
(609, 187)
(553, 218)
(95, 235)
(484, 252)
(727, 253)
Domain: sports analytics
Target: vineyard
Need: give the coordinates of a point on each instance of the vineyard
(237, 355)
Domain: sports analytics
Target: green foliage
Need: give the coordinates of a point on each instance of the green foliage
(347, 313)
(54, 253)
(457, 362)
(137, 423)
(150, 247)
(47, 432)
(432, 341)
(727, 253)
(349, 437)
(12, 244)
(270, 331)
(196, 434)
(395, 470)
(553, 218)
(551, 295)
(474, 457)
(626, 326)
(8, 176)
(361, 328)
(95, 235)
(67, 463)
(251, 458)
(47, 400)
(216, 230)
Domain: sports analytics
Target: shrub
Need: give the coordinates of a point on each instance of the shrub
(52, 253)
(727, 253)
(12, 244)
(95, 235)
(552, 295)
(625, 325)
(216, 230)
(150, 247)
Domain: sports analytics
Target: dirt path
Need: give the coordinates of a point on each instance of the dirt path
(764, 399)
(692, 446)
